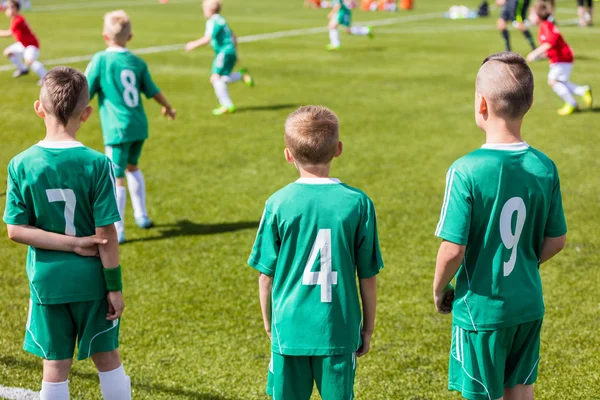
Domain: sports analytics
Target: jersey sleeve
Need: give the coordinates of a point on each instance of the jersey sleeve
(105, 199)
(556, 225)
(455, 217)
(266, 246)
(15, 212)
(550, 35)
(92, 73)
(210, 28)
(368, 254)
(149, 88)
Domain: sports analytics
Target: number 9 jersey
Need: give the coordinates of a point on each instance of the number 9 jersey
(500, 202)
(65, 188)
(119, 77)
(315, 237)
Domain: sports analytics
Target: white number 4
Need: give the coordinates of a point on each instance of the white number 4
(68, 196)
(510, 239)
(325, 277)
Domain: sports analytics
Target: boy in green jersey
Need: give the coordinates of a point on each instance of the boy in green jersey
(316, 236)
(223, 42)
(60, 201)
(342, 15)
(119, 77)
(501, 218)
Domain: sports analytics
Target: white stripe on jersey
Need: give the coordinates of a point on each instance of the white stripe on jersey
(449, 180)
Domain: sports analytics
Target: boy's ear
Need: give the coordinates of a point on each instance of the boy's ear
(39, 109)
(289, 157)
(105, 37)
(87, 112)
(340, 148)
(130, 37)
(482, 108)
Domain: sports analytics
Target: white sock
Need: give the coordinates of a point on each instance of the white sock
(115, 384)
(334, 37)
(576, 89)
(39, 69)
(359, 30)
(137, 192)
(18, 62)
(222, 93)
(55, 391)
(121, 200)
(563, 91)
(236, 76)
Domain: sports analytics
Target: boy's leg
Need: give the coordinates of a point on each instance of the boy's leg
(118, 154)
(334, 34)
(522, 362)
(334, 376)
(114, 383)
(292, 377)
(30, 56)
(222, 67)
(137, 185)
(502, 25)
(14, 53)
(55, 384)
(521, 17)
(557, 77)
(519, 392)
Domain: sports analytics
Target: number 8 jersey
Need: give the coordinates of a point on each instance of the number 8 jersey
(119, 77)
(316, 236)
(500, 202)
(65, 188)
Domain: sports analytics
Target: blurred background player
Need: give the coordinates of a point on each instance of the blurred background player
(342, 15)
(514, 11)
(25, 52)
(585, 10)
(223, 42)
(119, 77)
(561, 59)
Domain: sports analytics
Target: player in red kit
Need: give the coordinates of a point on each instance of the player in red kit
(24, 53)
(561, 60)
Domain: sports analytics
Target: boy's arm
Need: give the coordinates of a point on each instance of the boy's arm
(38, 238)
(538, 52)
(166, 110)
(368, 295)
(449, 259)
(109, 254)
(194, 44)
(551, 247)
(334, 10)
(7, 33)
(265, 287)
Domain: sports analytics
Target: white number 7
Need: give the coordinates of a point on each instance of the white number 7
(510, 240)
(68, 196)
(326, 278)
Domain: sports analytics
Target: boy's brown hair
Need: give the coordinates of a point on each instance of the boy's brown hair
(117, 26)
(506, 82)
(215, 5)
(64, 93)
(312, 134)
(15, 3)
(543, 10)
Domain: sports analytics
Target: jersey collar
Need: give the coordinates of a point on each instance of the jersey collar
(506, 146)
(70, 144)
(117, 49)
(318, 181)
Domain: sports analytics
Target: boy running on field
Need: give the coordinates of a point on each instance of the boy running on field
(501, 218)
(223, 42)
(119, 77)
(25, 52)
(342, 15)
(514, 11)
(561, 60)
(316, 235)
(59, 194)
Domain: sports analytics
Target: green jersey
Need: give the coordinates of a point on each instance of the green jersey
(315, 237)
(66, 188)
(221, 37)
(119, 77)
(342, 4)
(500, 202)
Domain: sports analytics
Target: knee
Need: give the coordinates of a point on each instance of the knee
(214, 78)
(120, 182)
(332, 25)
(57, 370)
(107, 361)
(28, 62)
(551, 82)
(7, 53)
(132, 168)
(501, 24)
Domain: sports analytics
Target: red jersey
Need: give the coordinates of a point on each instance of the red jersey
(560, 50)
(22, 32)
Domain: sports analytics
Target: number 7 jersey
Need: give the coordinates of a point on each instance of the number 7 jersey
(316, 236)
(119, 77)
(500, 202)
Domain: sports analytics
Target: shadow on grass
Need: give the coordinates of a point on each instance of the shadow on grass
(594, 110)
(3, 194)
(188, 228)
(31, 365)
(272, 107)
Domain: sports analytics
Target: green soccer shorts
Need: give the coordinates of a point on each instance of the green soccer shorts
(53, 330)
(223, 63)
(124, 154)
(293, 377)
(344, 17)
(483, 363)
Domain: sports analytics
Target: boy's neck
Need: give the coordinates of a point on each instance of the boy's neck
(314, 171)
(503, 131)
(116, 44)
(56, 132)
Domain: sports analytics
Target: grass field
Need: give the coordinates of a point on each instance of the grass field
(192, 328)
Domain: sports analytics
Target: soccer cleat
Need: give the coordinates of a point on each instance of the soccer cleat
(331, 47)
(19, 73)
(588, 98)
(370, 34)
(121, 237)
(246, 77)
(143, 222)
(567, 109)
(224, 110)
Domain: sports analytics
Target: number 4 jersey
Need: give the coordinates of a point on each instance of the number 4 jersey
(119, 77)
(316, 236)
(501, 201)
(65, 188)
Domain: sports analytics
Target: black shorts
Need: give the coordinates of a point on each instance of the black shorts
(585, 3)
(515, 10)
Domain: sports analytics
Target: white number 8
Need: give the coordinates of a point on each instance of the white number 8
(510, 239)
(130, 94)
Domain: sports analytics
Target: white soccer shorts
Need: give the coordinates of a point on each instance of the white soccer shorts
(29, 53)
(560, 72)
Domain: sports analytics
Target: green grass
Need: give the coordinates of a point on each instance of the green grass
(192, 328)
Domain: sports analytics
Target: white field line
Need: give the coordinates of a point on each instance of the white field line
(102, 5)
(243, 39)
(18, 394)
(465, 28)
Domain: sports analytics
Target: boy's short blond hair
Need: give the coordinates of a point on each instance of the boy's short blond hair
(64, 93)
(312, 135)
(213, 5)
(14, 3)
(117, 26)
(506, 82)
(542, 9)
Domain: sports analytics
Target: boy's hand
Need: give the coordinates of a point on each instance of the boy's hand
(366, 344)
(169, 112)
(189, 46)
(531, 57)
(88, 246)
(443, 300)
(115, 305)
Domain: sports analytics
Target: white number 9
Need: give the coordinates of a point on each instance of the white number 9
(510, 239)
